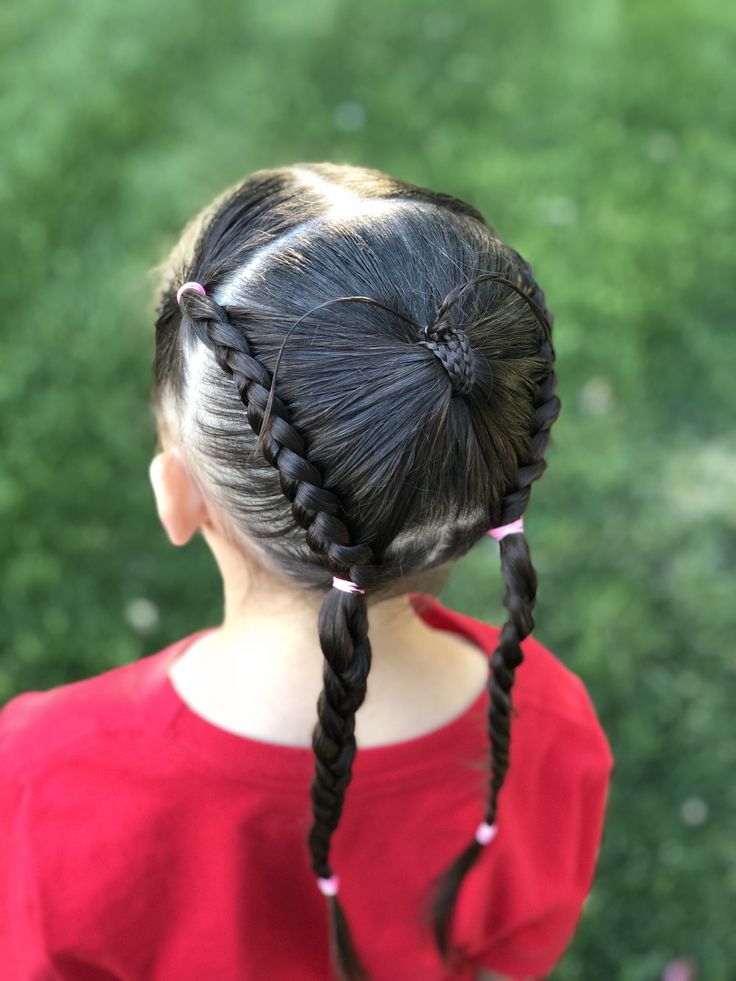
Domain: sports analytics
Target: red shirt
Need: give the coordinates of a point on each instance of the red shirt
(140, 842)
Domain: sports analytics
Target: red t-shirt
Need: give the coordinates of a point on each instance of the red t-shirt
(140, 842)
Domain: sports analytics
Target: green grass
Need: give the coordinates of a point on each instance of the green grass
(598, 140)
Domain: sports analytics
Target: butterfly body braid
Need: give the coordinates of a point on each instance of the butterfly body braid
(452, 347)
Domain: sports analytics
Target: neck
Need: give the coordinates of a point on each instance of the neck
(260, 673)
(269, 627)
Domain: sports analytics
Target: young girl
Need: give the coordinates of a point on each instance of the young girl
(354, 385)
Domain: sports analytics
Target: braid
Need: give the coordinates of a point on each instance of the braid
(343, 634)
(343, 617)
(519, 598)
(452, 346)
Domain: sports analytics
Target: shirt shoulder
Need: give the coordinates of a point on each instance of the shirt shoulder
(521, 903)
(37, 725)
(543, 685)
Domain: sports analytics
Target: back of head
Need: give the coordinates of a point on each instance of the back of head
(365, 388)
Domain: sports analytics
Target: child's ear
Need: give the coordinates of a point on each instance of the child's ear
(179, 501)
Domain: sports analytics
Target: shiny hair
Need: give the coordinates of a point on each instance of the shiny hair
(394, 361)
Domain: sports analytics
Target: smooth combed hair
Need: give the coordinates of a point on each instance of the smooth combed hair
(365, 390)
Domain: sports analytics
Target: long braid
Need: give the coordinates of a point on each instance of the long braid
(343, 634)
(343, 617)
(520, 594)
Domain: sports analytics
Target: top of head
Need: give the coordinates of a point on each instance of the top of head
(365, 411)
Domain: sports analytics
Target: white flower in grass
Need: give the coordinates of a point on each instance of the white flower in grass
(558, 210)
(349, 117)
(661, 147)
(438, 24)
(596, 396)
(142, 615)
(694, 811)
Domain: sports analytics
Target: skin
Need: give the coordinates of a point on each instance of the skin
(420, 677)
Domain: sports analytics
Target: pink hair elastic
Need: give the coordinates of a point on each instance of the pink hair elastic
(197, 287)
(485, 832)
(346, 585)
(515, 528)
(329, 887)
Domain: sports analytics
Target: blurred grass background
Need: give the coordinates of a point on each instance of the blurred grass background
(598, 139)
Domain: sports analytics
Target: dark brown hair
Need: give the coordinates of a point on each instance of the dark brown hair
(395, 364)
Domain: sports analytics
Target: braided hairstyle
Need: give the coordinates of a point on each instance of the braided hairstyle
(413, 355)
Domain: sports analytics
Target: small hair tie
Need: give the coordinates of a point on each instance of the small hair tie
(485, 832)
(346, 585)
(190, 286)
(514, 528)
(329, 887)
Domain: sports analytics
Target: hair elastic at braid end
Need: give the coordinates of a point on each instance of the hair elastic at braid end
(329, 887)
(485, 832)
(346, 585)
(514, 528)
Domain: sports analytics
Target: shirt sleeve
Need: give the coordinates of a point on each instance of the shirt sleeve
(21, 937)
(555, 817)
(21, 944)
